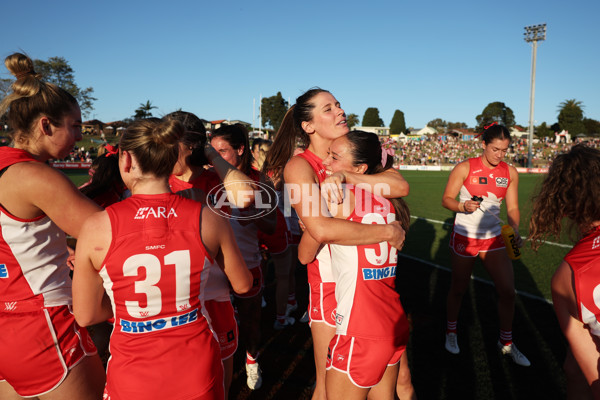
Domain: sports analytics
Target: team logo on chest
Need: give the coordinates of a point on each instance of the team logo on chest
(479, 180)
(501, 182)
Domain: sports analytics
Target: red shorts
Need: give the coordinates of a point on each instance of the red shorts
(257, 284)
(322, 303)
(469, 247)
(38, 347)
(222, 322)
(192, 369)
(363, 360)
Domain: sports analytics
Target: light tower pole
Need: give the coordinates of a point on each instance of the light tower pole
(533, 34)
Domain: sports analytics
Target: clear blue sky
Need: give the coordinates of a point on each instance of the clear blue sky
(430, 59)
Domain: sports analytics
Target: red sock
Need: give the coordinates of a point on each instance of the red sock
(505, 337)
(292, 299)
(250, 359)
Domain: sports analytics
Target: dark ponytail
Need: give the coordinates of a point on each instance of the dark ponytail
(495, 131)
(366, 149)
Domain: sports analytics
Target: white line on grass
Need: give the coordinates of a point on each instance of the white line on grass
(435, 221)
(521, 293)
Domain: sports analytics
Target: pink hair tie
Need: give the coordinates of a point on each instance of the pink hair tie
(385, 151)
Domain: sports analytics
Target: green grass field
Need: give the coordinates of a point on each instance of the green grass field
(77, 176)
(432, 224)
(479, 372)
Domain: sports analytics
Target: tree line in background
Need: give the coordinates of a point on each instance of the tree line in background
(570, 118)
(570, 112)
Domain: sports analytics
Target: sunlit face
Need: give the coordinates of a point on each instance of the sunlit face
(495, 151)
(64, 136)
(339, 157)
(229, 154)
(328, 117)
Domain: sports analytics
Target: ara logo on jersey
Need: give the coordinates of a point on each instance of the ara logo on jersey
(3, 271)
(339, 318)
(155, 212)
(158, 324)
(596, 243)
(501, 182)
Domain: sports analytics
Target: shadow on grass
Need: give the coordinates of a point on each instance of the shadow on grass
(478, 372)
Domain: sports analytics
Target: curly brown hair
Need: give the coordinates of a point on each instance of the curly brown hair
(570, 190)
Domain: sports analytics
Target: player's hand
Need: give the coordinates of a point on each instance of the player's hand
(518, 239)
(399, 235)
(471, 206)
(332, 189)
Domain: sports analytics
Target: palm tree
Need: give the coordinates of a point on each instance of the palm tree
(570, 116)
(351, 120)
(144, 110)
(572, 104)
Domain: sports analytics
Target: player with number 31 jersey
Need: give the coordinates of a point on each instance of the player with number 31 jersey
(146, 256)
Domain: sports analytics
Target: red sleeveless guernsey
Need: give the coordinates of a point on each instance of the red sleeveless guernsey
(584, 260)
(153, 274)
(368, 305)
(33, 254)
(491, 184)
(318, 270)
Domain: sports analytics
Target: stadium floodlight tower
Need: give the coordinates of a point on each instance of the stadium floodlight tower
(533, 34)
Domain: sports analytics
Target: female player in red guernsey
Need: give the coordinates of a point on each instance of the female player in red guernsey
(144, 260)
(477, 233)
(571, 190)
(43, 352)
(190, 175)
(316, 120)
(371, 326)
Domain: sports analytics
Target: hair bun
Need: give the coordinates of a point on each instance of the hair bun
(25, 74)
(21, 66)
